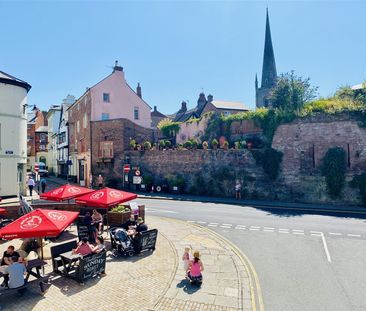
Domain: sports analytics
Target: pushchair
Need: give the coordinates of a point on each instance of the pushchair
(122, 243)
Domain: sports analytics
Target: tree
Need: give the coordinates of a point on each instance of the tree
(292, 92)
(347, 93)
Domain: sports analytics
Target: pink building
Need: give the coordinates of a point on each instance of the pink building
(113, 98)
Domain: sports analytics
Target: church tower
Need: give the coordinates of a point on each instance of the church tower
(269, 72)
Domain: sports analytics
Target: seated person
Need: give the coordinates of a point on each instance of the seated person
(97, 220)
(141, 226)
(83, 248)
(100, 245)
(88, 221)
(6, 261)
(130, 223)
(16, 273)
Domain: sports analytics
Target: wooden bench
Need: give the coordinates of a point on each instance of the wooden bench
(21, 290)
(60, 249)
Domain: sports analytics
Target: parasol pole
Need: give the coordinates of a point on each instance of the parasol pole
(40, 240)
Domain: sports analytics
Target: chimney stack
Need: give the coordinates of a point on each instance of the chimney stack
(138, 90)
(116, 67)
(210, 98)
(155, 109)
(184, 107)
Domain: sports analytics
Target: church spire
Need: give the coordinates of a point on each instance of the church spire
(269, 72)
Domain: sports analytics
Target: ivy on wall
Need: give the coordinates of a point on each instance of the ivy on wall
(334, 170)
(359, 182)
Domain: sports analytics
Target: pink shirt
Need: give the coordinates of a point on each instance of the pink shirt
(83, 249)
(195, 269)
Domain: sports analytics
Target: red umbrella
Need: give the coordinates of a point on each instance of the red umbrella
(65, 192)
(38, 223)
(105, 197)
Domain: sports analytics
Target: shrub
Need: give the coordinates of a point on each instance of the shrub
(162, 144)
(168, 144)
(271, 162)
(132, 144)
(168, 127)
(205, 144)
(147, 145)
(334, 170)
(214, 143)
(120, 209)
(359, 182)
(148, 180)
(194, 143)
(188, 144)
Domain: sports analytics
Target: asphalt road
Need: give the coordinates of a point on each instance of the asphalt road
(304, 261)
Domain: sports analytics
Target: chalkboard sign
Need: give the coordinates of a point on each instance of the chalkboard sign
(83, 232)
(148, 239)
(91, 265)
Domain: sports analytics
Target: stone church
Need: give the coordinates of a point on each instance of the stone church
(269, 72)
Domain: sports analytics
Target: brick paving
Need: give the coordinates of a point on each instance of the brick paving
(151, 282)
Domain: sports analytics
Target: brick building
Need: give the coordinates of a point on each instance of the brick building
(110, 99)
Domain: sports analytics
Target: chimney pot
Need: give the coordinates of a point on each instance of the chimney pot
(138, 90)
(155, 109)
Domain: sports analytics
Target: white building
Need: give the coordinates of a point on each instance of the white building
(53, 123)
(63, 138)
(13, 135)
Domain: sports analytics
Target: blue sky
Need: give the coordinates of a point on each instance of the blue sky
(177, 48)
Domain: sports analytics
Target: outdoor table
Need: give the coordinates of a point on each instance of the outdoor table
(69, 259)
(35, 264)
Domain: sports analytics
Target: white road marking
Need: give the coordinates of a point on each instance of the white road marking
(354, 235)
(192, 221)
(240, 228)
(227, 225)
(212, 225)
(318, 232)
(201, 222)
(325, 247)
(282, 229)
(254, 229)
(335, 233)
(298, 233)
(295, 230)
(161, 211)
(268, 228)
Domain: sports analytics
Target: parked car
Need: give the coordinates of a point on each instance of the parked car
(42, 169)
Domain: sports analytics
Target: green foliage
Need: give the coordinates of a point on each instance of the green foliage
(331, 106)
(194, 142)
(359, 182)
(292, 92)
(271, 162)
(205, 144)
(162, 143)
(147, 145)
(148, 180)
(168, 144)
(120, 209)
(132, 144)
(346, 93)
(334, 170)
(188, 144)
(168, 127)
(214, 143)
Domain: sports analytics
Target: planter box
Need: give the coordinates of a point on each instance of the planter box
(116, 219)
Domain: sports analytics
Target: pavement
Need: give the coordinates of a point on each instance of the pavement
(154, 281)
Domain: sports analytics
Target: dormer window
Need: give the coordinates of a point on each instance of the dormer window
(106, 97)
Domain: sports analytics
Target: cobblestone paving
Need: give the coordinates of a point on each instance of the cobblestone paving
(225, 280)
(132, 284)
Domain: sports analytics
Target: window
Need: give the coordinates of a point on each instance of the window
(106, 97)
(105, 116)
(85, 120)
(136, 113)
(106, 149)
(78, 126)
(227, 113)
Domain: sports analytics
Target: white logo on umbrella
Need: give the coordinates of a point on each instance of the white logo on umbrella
(31, 222)
(57, 191)
(115, 194)
(74, 190)
(57, 216)
(97, 195)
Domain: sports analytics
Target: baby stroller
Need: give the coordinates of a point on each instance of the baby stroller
(121, 242)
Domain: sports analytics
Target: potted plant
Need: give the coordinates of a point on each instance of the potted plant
(243, 144)
(138, 147)
(205, 145)
(226, 145)
(188, 144)
(168, 144)
(147, 145)
(118, 215)
(194, 143)
(237, 145)
(132, 144)
(161, 144)
(214, 143)
(249, 145)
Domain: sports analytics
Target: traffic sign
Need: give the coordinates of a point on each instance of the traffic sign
(137, 180)
(126, 168)
(36, 167)
(137, 173)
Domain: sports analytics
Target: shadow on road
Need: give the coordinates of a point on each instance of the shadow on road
(187, 287)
